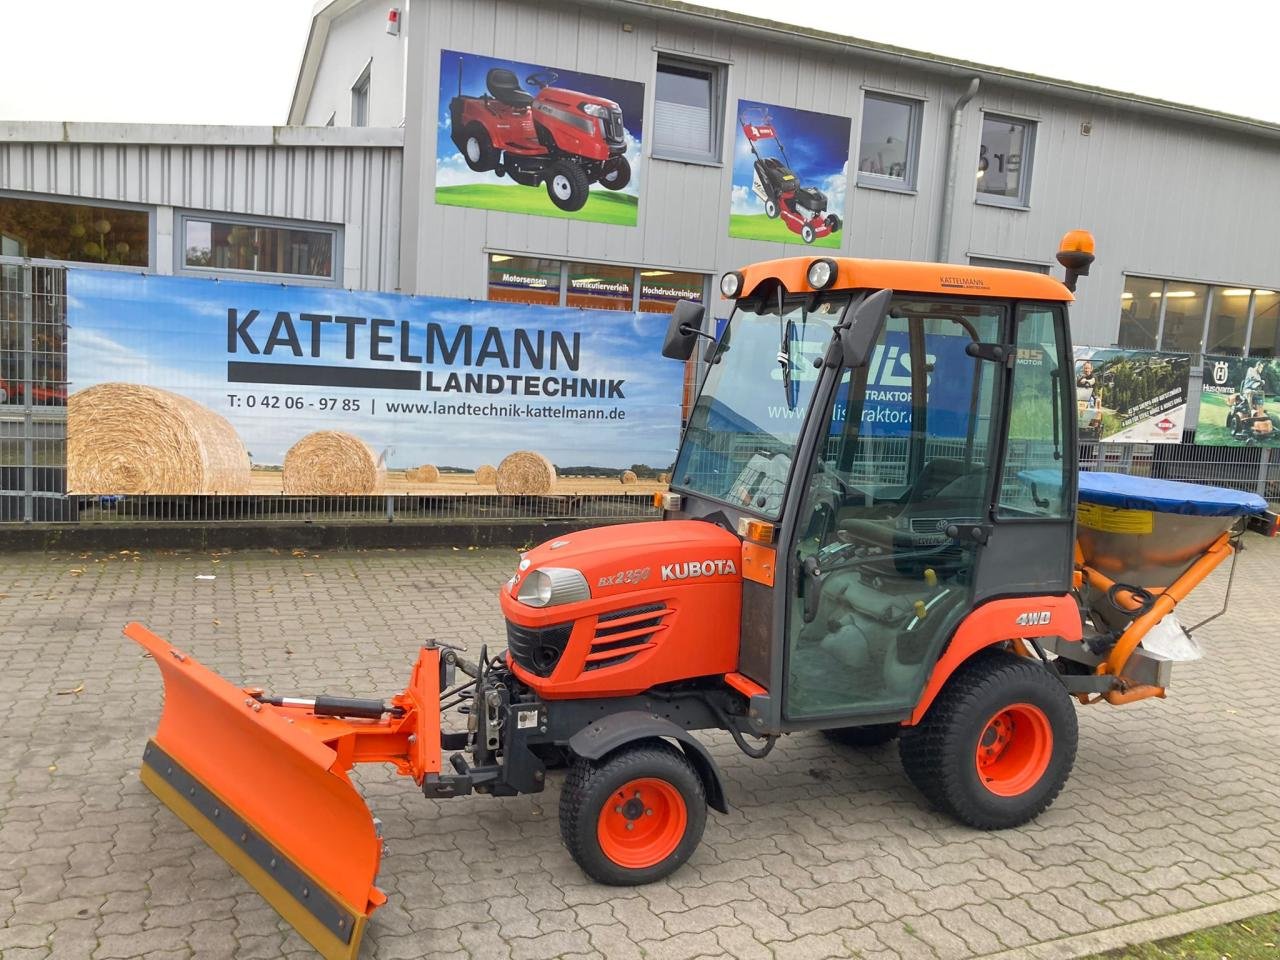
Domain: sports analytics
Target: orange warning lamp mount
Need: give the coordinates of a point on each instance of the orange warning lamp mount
(1076, 254)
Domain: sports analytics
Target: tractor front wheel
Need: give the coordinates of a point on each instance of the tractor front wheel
(635, 816)
(615, 173)
(567, 185)
(997, 745)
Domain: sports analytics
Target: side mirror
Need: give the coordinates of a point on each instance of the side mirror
(858, 334)
(683, 330)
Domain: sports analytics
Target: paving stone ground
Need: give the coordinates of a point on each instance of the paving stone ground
(827, 852)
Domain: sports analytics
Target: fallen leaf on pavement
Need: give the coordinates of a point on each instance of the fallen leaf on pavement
(73, 692)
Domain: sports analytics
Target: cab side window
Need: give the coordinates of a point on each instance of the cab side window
(1034, 479)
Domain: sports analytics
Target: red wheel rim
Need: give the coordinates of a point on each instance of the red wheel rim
(1014, 750)
(642, 823)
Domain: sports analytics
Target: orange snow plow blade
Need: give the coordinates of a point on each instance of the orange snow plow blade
(267, 786)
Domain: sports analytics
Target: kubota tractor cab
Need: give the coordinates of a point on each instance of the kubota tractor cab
(870, 532)
(562, 138)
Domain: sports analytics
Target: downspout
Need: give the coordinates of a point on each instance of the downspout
(953, 162)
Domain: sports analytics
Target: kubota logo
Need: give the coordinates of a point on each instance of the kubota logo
(697, 568)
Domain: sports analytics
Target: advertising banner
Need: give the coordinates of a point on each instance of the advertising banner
(527, 138)
(1131, 396)
(190, 386)
(1239, 402)
(789, 170)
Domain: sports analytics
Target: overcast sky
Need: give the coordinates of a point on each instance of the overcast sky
(235, 61)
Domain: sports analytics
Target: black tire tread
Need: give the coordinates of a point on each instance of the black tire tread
(581, 782)
(926, 748)
(580, 184)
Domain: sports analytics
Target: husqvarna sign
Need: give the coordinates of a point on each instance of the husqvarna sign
(535, 139)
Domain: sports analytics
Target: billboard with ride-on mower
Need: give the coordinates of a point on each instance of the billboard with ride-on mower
(789, 170)
(1240, 402)
(529, 138)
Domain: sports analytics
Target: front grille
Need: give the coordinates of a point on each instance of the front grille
(614, 129)
(537, 650)
(621, 634)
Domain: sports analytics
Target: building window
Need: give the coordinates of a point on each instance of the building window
(1264, 336)
(595, 286)
(591, 286)
(889, 147)
(688, 110)
(253, 247)
(1182, 324)
(1009, 264)
(525, 280)
(360, 99)
(1228, 320)
(74, 232)
(1140, 313)
(1004, 161)
(660, 289)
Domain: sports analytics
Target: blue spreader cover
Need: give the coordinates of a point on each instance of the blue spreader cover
(1162, 496)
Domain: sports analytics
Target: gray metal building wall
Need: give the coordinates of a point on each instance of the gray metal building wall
(1167, 192)
(349, 177)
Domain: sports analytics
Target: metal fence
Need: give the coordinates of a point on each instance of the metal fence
(33, 453)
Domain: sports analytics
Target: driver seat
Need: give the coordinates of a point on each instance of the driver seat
(505, 88)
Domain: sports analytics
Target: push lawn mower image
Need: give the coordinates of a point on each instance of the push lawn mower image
(558, 137)
(930, 586)
(803, 209)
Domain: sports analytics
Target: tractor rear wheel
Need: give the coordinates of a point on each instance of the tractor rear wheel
(567, 185)
(997, 745)
(477, 149)
(875, 735)
(635, 816)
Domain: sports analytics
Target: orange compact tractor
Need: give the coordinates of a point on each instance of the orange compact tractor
(871, 531)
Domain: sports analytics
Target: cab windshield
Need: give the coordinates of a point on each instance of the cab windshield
(743, 431)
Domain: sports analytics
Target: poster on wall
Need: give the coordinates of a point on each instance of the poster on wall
(1239, 402)
(528, 138)
(1131, 396)
(789, 169)
(186, 386)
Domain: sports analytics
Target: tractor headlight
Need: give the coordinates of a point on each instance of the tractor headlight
(552, 586)
(822, 273)
(731, 285)
(594, 110)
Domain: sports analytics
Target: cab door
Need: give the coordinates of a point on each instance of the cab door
(889, 534)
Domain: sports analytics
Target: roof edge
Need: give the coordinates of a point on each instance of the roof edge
(940, 63)
(43, 131)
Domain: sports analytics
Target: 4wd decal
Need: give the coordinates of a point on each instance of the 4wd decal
(1033, 618)
(697, 568)
(637, 575)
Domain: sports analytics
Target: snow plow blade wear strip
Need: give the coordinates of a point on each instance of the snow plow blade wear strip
(267, 786)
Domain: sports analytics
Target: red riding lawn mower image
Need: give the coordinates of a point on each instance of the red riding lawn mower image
(803, 209)
(555, 136)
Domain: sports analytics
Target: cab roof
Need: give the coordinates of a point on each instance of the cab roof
(908, 276)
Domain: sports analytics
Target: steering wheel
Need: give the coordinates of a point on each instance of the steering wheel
(541, 78)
